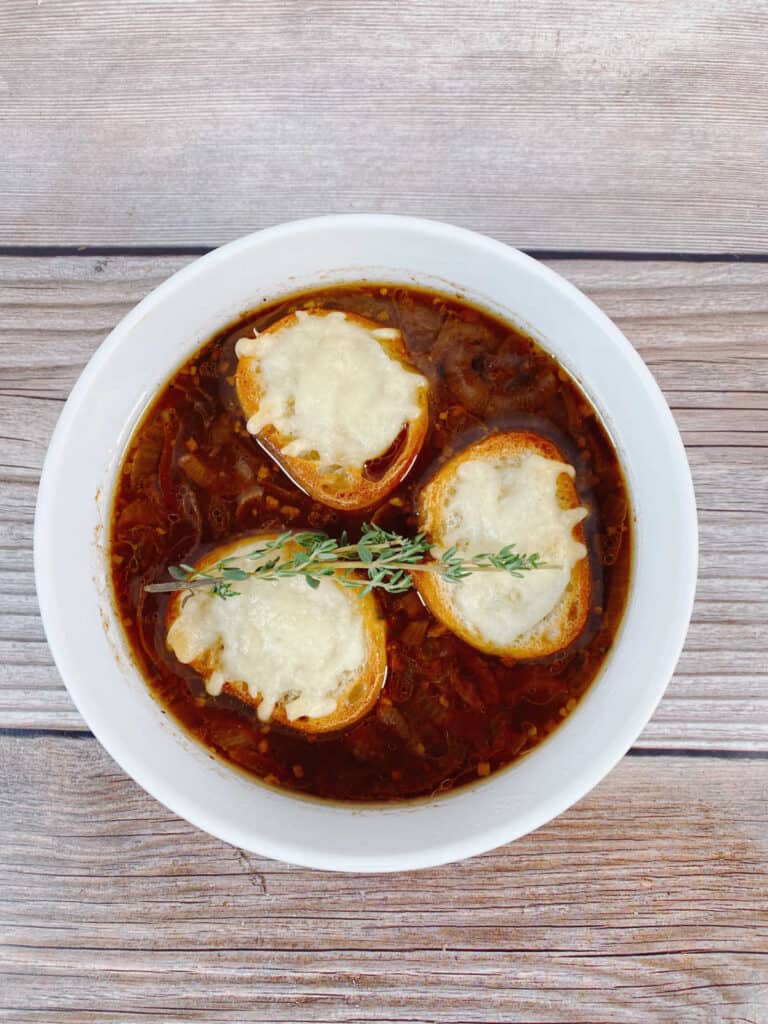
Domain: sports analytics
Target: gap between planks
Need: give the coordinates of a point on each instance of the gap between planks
(549, 255)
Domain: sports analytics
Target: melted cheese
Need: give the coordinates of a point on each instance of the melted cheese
(328, 385)
(512, 501)
(286, 642)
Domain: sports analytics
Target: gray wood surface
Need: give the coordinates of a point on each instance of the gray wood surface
(584, 126)
(646, 902)
(567, 124)
(702, 328)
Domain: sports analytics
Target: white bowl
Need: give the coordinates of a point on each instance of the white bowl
(73, 512)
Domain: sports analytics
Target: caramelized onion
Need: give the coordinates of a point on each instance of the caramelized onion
(463, 381)
(193, 467)
(165, 466)
(193, 478)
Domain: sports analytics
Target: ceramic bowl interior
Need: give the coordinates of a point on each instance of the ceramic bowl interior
(73, 513)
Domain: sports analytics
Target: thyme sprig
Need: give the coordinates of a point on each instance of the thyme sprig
(381, 560)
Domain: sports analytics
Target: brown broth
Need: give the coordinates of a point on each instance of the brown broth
(193, 478)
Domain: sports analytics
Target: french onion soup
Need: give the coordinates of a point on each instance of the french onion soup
(370, 543)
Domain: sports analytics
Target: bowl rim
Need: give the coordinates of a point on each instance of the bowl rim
(298, 853)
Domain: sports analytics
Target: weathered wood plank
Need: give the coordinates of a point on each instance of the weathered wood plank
(648, 900)
(577, 125)
(703, 329)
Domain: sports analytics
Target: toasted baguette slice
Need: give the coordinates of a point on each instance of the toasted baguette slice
(313, 660)
(496, 492)
(334, 399)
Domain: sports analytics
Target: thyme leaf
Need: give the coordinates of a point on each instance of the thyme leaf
(380, 560)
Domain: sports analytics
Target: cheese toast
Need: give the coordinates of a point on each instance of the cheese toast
(334, 399)
(509, 488)
(310, 659)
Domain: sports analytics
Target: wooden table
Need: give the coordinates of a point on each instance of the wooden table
(625, 143)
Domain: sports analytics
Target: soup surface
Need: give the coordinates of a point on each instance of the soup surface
(193, 478)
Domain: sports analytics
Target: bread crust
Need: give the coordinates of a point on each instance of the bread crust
(350, 489)
(360, 695)
(567, 619)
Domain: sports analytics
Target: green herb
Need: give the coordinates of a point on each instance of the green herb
(379, 560)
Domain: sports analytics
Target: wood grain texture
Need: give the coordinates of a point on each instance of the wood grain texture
(564, 124)
(647, 901)
(703, 330)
